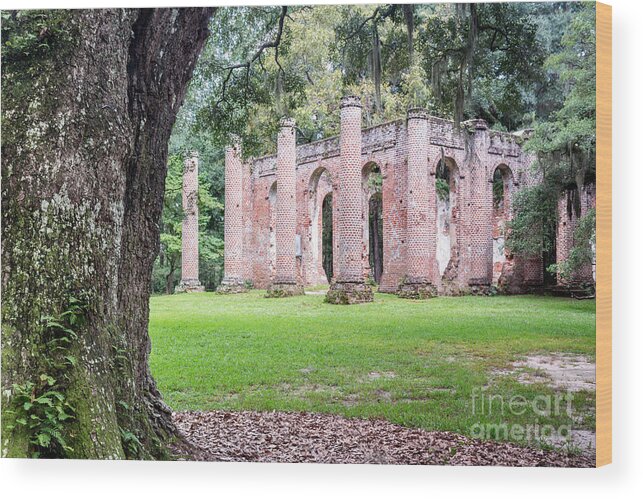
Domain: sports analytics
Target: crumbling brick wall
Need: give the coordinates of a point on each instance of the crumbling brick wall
(474, 153)
(570, 210)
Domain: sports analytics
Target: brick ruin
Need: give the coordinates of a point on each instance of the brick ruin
(442, 226)
(190, 228)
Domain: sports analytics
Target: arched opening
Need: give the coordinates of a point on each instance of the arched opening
(375, 240)
(446, 189)
(327, 236)
(372, 210)
(272, 250)
(501, 187)
(320, 211)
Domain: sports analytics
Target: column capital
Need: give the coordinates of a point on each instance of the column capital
(191, 162)
(234, 144)
(477, 124)
(233, 148)
(417, 113)
(286, 122)
(350, 101)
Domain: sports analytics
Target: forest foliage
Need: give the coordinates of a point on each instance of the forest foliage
(517, 65)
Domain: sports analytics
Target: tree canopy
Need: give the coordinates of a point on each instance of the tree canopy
(565, 146)
(459, 61)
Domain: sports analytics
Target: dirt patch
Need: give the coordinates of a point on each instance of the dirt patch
(302, 391)
(560, 371)
(427, 395)
(583, 441)
(383, 396)
(351, 400)
(326, 438)
(372, 376)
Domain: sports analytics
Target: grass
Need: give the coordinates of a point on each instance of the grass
(415, 363)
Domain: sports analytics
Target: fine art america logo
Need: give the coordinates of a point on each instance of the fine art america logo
(540, 406)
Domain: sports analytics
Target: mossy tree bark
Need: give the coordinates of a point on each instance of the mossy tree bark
(87, 110)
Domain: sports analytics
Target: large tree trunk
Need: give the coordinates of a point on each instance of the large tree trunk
(377, 68)
(86, 116)
(408, 10)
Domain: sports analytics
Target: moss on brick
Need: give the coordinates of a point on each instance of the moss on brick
(284, 290)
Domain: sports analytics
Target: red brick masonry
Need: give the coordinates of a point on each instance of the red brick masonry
(280, 227)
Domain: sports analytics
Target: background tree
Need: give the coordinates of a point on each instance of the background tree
(472, 60)
(565, 145)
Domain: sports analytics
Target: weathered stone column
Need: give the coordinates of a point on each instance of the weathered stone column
(285, 282)
(190, 232)
(349, 286)
(233, 224)
(421, 224)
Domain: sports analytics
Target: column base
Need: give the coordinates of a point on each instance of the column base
(284, 290)
(479, 287)
(231, 286)
(421, 290)
(189, 286)
(349, 293)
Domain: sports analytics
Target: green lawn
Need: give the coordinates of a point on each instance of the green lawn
(412, 362)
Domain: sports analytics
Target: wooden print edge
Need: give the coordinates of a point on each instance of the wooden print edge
(603, 234)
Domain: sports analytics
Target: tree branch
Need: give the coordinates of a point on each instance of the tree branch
(247, 64)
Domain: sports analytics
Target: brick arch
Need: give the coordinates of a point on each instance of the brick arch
(313, 181)
(320, 184)
(453, 171)
(368, 190)
(505, 170)
(447, 220)
(502, 261)
(508, 180)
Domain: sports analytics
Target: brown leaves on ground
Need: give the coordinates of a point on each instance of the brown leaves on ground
(325, 438)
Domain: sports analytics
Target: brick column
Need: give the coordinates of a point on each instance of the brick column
(233, 224)
(565, 229)
(190, 230)
(421, 224)
(568, 219)
(285, 281)
(349, 286)
(479, 213)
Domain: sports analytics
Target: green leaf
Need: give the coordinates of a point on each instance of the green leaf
(45, 401)
(43, 440)
(71, 359)
(52, 393)
(50, 381)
